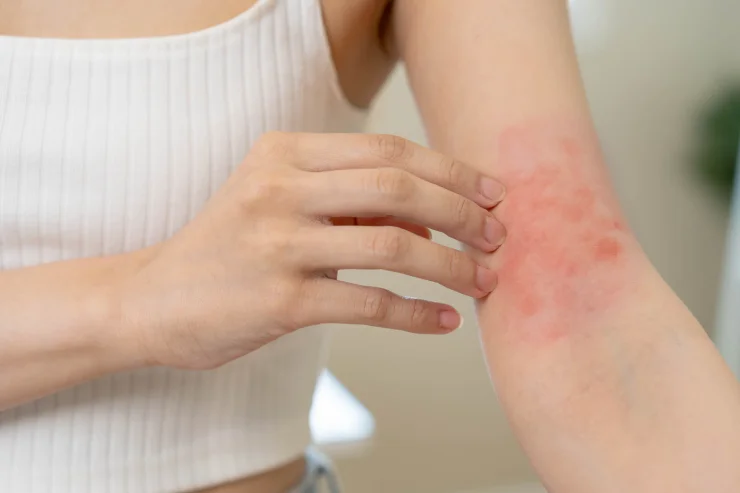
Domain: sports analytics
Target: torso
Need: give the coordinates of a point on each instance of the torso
(355, 30)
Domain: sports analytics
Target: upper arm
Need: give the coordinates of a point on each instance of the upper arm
(594, 357)
(498, 86)
(465, 59)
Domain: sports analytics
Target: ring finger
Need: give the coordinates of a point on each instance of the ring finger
(394, 249)
(393, 192)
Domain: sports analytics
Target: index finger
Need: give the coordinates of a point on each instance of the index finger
(326, 152)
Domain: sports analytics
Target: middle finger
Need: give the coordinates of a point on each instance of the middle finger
(394, 192)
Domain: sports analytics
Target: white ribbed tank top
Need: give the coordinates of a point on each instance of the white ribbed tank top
(107, 146)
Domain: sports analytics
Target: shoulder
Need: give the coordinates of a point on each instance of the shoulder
(357, 31)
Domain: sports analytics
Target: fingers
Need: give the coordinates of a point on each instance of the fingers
(330, 301)
(377, 175)
(326, 152)
(344, 221)
(394, 192)
(383, 221)
(392, 221)
(396, 250)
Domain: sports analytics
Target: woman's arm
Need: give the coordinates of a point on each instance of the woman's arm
(609, 381)
(258, 262)
(59, 326)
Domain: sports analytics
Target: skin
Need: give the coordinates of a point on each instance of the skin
(596, 361)
(569, 237)
(267, 246)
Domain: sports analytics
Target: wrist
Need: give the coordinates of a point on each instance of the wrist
(121, 342)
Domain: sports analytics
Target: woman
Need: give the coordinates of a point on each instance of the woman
(137, 241)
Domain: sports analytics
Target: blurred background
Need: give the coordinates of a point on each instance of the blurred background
(658, 74)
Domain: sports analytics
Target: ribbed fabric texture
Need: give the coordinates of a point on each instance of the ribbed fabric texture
(107, 146)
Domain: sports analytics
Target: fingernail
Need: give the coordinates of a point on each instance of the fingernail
(485, 279)
(492, 189)
(495, 232)
(450, 320)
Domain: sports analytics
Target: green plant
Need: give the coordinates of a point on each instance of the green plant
(719, 133)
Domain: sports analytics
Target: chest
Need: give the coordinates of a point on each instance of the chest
(108, 146)
(147, 18)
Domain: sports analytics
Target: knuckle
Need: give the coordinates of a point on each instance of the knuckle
(395, 183)
(463, 209)
(285, 304)
(377, 305)
(274, 144)
(281, 247)
(389, 244)
(419, 313)
(456, 263)
(267, 185)
(454, 170)
(390, 147)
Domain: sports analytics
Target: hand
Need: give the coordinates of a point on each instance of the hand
(260, 260)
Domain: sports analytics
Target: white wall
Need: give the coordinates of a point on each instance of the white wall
(663, 61)
(648, 69)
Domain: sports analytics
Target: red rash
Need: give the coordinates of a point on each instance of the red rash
(564, 256)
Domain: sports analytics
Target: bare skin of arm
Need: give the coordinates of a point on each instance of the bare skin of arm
(66, 322)
(609, 381)
(58, 326)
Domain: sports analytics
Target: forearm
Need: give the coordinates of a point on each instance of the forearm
(59, 326)
(596, 361)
